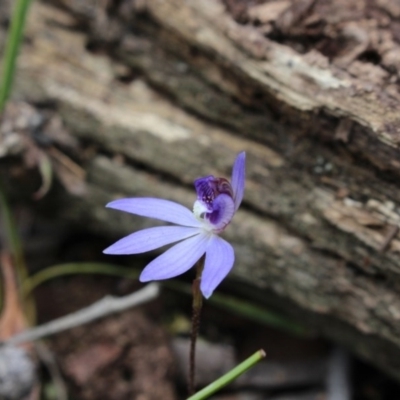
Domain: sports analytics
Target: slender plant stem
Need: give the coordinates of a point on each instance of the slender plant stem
(11, 51)
(193, 340)
(197, 305)
(229, 377)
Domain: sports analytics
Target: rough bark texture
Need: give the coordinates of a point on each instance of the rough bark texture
(155, 93)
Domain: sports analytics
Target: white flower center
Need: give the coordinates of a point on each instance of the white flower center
(199, 209)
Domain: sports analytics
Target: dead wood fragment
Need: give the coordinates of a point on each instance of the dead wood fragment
(198, 87)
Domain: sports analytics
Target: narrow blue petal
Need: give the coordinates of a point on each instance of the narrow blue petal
(219, 261)
(164, 210)
(238, 178)
(150, 239)
(176, 260)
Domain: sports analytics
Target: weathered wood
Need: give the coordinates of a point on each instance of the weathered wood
(171, 90)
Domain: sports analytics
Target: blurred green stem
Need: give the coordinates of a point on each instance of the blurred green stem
(229, 377)
(76, 268)
(14, 246)
(14, 39)
(234, 305)
(11, 236)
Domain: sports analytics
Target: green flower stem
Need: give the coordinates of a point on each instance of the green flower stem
(11, 51)
(229, 377)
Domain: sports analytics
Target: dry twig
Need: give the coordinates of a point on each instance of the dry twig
(106, 306)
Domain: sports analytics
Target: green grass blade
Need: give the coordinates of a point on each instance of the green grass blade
(245, 309)
(229, 377)
(234, 305)
(257, 313)
(77, 268)
(14, 39)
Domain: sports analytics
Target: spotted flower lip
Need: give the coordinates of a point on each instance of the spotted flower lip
(196, 232)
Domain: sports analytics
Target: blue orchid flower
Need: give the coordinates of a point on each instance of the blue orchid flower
(197, 232)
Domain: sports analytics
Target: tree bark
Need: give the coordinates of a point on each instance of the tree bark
(155, 93)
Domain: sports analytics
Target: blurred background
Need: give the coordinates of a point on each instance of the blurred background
(125, 98)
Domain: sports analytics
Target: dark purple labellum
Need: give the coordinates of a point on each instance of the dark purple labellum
(209, 187)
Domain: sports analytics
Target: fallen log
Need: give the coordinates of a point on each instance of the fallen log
(143, 97)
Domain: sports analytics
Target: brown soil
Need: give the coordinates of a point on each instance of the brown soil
(123, 357)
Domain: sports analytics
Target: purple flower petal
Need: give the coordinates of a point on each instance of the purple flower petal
(150, 239)
(238, 178)
(219, 261)
(223, 211)
(164, 210)
(176, 260)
